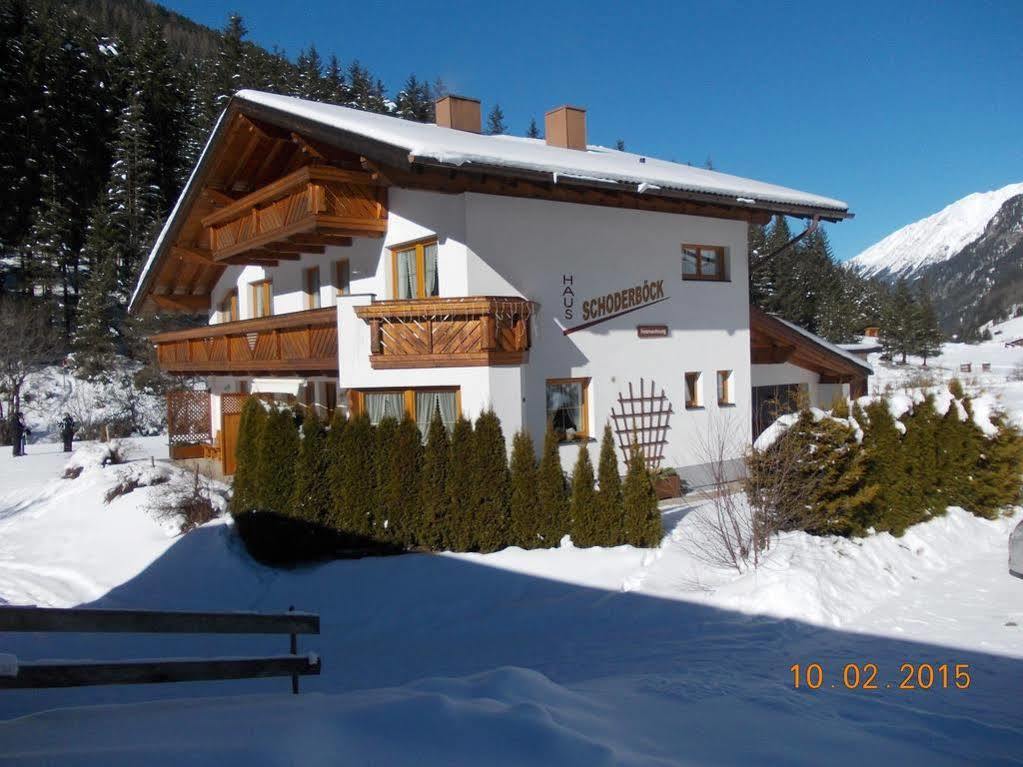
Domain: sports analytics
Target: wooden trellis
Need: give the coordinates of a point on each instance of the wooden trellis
(643, 419)
(188, 417)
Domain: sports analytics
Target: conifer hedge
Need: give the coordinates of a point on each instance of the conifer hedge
(903, 471)
(353, 487)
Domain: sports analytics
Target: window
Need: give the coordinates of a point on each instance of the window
(421, 404)
(342, 277)
(262, 298)
(703, 262)
(229, 307)
(414, 270)
(311, 282)
(693, 385)
(725, 395)
(567, 407)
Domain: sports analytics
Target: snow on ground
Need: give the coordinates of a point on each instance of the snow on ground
(564, 656)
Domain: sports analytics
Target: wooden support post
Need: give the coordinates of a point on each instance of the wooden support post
(294, 651)
(375, 342)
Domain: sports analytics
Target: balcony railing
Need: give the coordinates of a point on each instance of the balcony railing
(299, 343)
(314, 200)
(448, 332)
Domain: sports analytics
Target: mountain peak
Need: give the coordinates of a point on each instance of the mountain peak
(934, 239)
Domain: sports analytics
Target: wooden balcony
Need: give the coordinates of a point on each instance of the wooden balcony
(448, 332)
(299, 343)
(314, 206)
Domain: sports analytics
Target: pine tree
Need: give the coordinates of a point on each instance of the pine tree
(245, 491)
(490, 484)
(898, 328)
(355, 490)
(414, 101)
(639, 503)
(927, 335)
(278, 447)
(999, 469)
(400, 491)
(312, 497)
(460, 488)
(434, 504)
(100, 314)
(552, 492)
(335, 89)
(523, 522)
(133, 194)
(534, 131)
(495, 122)
(583, 504)
(609, 524)
(620, 145)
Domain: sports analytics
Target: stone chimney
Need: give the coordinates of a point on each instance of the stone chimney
(459, 113)
(566, 127)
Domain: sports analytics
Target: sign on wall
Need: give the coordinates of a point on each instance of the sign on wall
(652, 331)
(618, 303)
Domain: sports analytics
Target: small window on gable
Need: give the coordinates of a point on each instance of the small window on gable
(693, 398)
(725, 394)
(262, 298)
(229, 307)
(342, 277)
(704, 262)
(311, 279)
(414, 270)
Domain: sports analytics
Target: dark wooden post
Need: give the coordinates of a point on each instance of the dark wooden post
(294, 651)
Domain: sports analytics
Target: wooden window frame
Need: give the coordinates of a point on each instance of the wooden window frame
(728, 377)
(722, 274)
(266, 286)
(312, 297)
(697, 403)
(420, 248)
(229, 307)
(342, 277)
(585, 406)
(357, 401)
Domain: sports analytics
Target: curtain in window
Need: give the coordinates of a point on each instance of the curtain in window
(380, 405)
(564, 408)
(428, 403)
(709, 262)
(688, 261)
(407, 274)
(430, 284)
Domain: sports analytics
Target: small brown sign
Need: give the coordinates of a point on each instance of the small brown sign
(652, 331)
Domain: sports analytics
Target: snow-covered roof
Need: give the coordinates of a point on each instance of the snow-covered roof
(460, 148)
(863, 345)
(826, 344)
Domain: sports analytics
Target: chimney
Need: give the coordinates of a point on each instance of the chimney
(459, 113)
(566, 127)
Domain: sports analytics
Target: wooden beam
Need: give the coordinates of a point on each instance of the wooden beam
(217, 197)
(322, 238)
(192, 255)
(306, 147)
(296, 247)
(181, 303)
(378, 173)
(109, 621)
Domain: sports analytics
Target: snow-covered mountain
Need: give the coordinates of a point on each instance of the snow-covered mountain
(935, 239)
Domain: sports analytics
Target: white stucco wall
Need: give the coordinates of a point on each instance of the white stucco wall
(491, 245)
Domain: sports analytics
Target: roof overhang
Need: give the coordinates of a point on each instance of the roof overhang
(779, 341)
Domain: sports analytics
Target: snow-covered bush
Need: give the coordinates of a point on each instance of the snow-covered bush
(896, 461)
(133, 476)
(96, 455)
(190, 499)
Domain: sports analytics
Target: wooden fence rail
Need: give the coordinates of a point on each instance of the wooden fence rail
(148, 671)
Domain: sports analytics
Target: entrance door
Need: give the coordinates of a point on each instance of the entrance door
(230, 422)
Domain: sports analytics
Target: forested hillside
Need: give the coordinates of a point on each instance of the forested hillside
(105, 107)
(107, 104)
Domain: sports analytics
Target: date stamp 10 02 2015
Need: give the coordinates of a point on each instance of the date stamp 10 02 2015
(864, 676)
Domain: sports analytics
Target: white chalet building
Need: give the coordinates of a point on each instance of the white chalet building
(354, 260)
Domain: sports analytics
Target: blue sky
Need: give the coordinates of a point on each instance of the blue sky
(899, 108)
